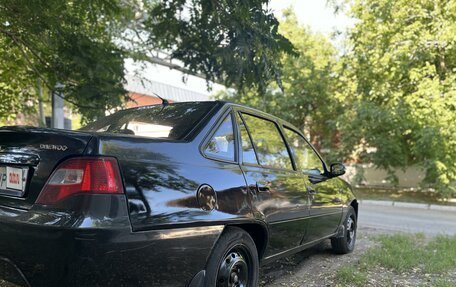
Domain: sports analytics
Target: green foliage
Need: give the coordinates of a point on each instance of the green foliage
(83, 44)
(234, 41)
(14, 95)
(306, 99)
(397, 85)
(390, 99)
(63, 42)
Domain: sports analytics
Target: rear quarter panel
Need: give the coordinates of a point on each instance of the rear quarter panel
(162, 179)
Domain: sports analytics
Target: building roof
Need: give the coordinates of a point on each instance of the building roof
(169, 92)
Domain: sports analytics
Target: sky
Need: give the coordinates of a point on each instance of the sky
(313, 13)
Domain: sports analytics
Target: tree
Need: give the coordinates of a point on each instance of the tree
(307, 97)
(83, 44)
(16, 93)
(398, 87)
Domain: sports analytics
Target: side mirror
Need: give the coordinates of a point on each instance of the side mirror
(337, 169)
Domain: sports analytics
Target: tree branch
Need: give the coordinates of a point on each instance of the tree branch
(20, 41)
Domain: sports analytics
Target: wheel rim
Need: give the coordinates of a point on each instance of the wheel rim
(351, 230)
(234, 268)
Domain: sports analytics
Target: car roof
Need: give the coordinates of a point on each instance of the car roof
(224, 103)
(261, 113)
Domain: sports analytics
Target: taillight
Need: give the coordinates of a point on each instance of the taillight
(99, 175)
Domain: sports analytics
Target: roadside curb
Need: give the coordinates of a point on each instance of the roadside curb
(409, 205)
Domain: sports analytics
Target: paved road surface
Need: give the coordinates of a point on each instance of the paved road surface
(430, 222)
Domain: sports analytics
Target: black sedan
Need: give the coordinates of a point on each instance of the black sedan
(183, 194)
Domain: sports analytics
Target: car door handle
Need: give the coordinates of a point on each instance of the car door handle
(263, 187)
(317, 178)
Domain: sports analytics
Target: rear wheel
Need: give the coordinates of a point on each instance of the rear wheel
(234, 261)
(346, 244)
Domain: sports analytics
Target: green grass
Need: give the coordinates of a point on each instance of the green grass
(441, 254)
(443, 283)
(351, 276)
(400, 254)
(403, 195)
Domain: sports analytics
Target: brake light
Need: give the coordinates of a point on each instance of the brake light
(88, 175)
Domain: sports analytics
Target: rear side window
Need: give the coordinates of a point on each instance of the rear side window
(221, 144)
(269, 145)
(306, 158)
(173, 121)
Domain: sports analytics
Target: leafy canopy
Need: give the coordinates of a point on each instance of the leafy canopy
(306, 99)
(82, 45)
(390, 99)
(398, 86)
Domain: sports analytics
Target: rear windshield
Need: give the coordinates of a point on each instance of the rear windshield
(173, 121)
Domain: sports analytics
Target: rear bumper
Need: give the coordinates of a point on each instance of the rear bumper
(76, 253)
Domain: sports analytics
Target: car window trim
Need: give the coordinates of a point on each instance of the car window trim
(325, 170)
(211, 133)
(284, 137)
(200, 124)
(277, 124)
(251, 141)
(269, 168)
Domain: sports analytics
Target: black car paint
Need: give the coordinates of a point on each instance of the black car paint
(158, 234)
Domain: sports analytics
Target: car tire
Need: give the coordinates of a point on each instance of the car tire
(233, 261)
(346, 243)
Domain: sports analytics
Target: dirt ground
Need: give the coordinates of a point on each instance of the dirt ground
(316, 266)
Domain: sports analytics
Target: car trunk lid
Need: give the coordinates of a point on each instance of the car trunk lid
(27, 158)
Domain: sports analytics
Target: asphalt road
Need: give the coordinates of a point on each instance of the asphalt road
(413, 220)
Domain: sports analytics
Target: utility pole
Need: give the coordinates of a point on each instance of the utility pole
(58, 118)
(42, 119)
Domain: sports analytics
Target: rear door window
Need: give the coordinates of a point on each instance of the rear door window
(269, 144)
(221, 144)
(305, 157)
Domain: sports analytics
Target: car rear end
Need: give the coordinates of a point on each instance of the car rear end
(64, 213)
(59, 207)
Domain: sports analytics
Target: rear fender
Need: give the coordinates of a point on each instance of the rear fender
(256, 229)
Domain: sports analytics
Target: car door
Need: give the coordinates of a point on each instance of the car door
(325, 210)
(323, 191)
(268, 169)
